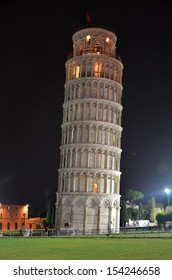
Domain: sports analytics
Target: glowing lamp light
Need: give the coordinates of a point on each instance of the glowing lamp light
(167, 191)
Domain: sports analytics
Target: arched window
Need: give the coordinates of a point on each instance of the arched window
(88, 39)
(97, 48)
(98, 69)
(107, 41)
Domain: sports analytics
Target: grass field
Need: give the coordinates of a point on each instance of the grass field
(86, 248)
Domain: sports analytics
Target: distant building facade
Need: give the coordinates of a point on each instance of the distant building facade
(15, 217)
(88, 196)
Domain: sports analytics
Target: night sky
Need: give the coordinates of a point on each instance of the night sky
(35, 42)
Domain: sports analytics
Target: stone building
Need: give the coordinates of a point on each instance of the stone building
(88, 196)
(13, 217)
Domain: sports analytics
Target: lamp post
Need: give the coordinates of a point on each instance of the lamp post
(24, 217)
(167, 191)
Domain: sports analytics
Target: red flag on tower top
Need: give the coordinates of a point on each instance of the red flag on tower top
(88, 18)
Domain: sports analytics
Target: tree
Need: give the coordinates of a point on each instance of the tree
(133, 195)
(160, 217)
(151, 209)
(47, 196)
(133, 213)
(163, 217)
(141, 212)
(48, 214)
(123, 214)
(52, 216)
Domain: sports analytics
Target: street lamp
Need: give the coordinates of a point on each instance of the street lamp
(167, 191)
(24, 217)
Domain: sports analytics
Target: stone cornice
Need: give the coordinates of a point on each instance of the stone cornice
(93, 79)
(93, 100)
(91, 122)
(90, 170)
(93, 145)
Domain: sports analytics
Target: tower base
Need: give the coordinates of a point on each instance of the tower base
(87, 214)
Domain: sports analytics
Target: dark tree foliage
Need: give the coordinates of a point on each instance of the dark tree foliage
(151, 209)
(53, 216)
(48, 214)
(163, 217)
(133, 213)
(133, 195)
(142, 214)
(123, 214)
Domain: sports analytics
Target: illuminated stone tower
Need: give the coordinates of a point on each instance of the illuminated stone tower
(88, 196)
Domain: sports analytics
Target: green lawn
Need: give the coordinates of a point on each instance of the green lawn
(86, 248)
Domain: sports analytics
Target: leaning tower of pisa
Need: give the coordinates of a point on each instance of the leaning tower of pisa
(88, 195)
